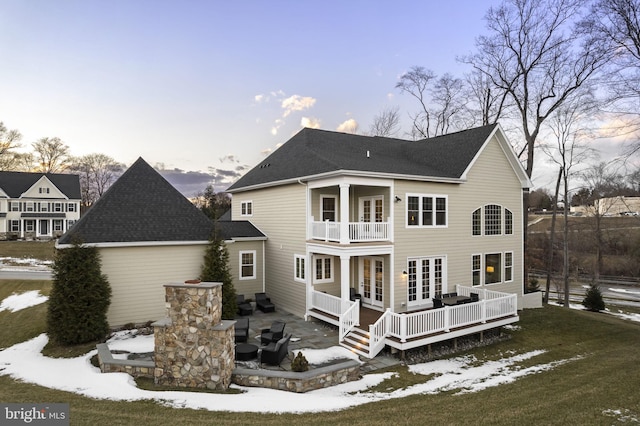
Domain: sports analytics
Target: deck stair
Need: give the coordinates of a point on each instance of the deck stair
(357, 341)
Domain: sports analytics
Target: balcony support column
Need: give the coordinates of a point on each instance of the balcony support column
(345, 261)
(344, 213)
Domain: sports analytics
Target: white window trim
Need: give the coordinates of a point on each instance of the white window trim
(484, 267)
(303, 259)
(421, 196)
(504, 267)
(243, 208)
(240, 253)
(315, 267)
(480, 270)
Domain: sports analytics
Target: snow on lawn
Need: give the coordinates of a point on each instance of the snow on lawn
(25, 362)
(18, 301)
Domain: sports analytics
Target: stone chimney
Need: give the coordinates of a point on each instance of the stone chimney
(194, 347)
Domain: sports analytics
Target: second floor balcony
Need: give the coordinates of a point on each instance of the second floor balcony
(350, 232)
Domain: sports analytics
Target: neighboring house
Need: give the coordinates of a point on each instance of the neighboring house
(148, 234)
(38, 205)
(397, 222)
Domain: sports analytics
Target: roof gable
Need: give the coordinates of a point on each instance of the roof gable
(141, 206)
(313, 152)
(17, 184)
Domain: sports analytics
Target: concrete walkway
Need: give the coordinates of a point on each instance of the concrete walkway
(312, 334)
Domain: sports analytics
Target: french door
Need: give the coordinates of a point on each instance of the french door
(372, 280)
(426, 277)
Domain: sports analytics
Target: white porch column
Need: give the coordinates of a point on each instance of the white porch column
(344, 276)
(344, 213)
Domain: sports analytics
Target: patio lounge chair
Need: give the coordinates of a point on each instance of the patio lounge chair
(264, 303)
(242, 330)
(273, 334)
(275, 352)
(244, 307)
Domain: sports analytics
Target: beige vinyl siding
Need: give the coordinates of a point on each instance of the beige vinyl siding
(490, 181)
(280, 213)
(137, 276)
(249, 287)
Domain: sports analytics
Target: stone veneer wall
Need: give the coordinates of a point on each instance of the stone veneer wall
(193, 346)
(318, 378)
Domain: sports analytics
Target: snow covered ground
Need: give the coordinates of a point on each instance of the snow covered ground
(24, 361)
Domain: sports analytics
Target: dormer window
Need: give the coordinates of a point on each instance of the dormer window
(42, 190)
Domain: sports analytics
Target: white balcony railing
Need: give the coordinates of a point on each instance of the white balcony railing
(358, 231)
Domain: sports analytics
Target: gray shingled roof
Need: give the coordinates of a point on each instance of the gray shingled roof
(141, 206)
(312, 152)
(14, 184)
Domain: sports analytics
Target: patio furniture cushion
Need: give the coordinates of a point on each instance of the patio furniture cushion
(264, 303)
(244, 307)
(272, 334)
(275, 352)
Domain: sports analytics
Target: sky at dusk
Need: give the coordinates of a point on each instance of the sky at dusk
(196, 85)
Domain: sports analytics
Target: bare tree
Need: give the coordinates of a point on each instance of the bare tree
(605, 183)
(442, 102)
(97, 172)
(569, 125)
(387, 123)
(488, 102)
(616, 25)
(51, 155)
(9, 141)
(535, 55)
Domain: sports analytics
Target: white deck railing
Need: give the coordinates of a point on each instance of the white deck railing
(405, 326)
(358, 231)
(349, 319)
(348, 312)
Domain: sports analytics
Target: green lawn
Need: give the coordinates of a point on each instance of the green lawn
(599, 387)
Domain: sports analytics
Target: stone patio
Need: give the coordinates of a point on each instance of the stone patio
(312, 334)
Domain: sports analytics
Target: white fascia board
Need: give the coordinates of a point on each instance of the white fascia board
(509, 153)
(342, 173)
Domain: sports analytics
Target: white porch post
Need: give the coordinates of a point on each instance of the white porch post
(344, 213)
(344, 277)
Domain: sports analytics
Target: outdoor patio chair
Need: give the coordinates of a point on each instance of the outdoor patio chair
(475, 297)
(437, 303)
(244, 307)
(264, 303)
(273, 334)
(275, 352)
(242, 330)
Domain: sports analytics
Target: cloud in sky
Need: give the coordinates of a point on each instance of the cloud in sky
(297, 103)
(311, 122)
(348, 126)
